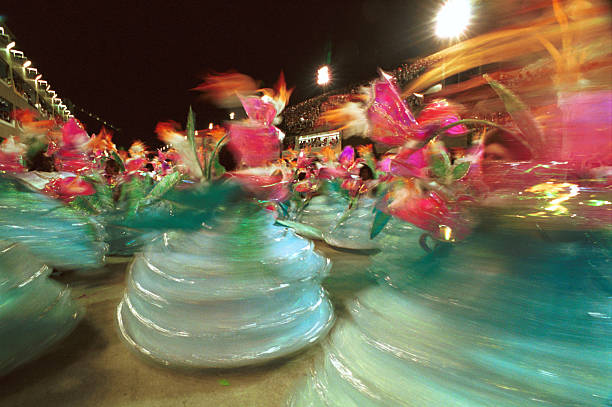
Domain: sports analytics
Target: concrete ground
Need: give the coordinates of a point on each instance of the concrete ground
(93, 367)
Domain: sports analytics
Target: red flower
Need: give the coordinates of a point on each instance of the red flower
(428, 211)
(68, 188)
(11, 156)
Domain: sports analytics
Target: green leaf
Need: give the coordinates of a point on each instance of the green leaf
(134, 194)
(219, 169)
(214, 159)
(371, 164)
(96, 202)
(345, 215)
(185, 208)
(301, 229)
(530, 132)
(59, 234)
(103, 198)
(163, 186)
(380, 221)
(284, 208)
(82, 204)
(461, 170)
(224, 382)
(119, 161)
(335, 190)
(105, 195)
(190, 131)
(34, 148)
(440, 164)
(190, 127)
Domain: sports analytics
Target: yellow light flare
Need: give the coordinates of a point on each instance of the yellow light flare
(561, 192)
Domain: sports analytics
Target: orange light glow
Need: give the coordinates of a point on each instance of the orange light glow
(279, 95)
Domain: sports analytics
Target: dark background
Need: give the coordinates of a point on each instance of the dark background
(133, 63)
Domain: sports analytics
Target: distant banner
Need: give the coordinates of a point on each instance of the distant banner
(320, 140)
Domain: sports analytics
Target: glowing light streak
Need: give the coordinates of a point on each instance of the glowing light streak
(597, 202)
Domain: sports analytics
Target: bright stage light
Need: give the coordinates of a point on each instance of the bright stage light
(323, 76)
(27, 63)
(453, 18)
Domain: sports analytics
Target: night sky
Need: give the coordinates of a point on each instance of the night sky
(133, 63)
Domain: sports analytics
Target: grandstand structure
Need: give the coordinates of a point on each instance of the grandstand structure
(22, 87)
(303, 121)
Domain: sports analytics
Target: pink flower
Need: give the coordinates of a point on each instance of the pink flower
(259, 110)
(580, 130)
(263, 184)
(73, 136)
(254, 144)
(384, 165)
(438, 114)
(391, 122)
(409, 163)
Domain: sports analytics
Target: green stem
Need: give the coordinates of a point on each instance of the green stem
(213, 155)
(520, 139)
(471, 121)
(303, 205)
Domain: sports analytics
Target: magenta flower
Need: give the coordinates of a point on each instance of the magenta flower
(254, 144)
(347, 170)
(256, 141)
(391, 122)
(410, 163)
(347, 157)
(73, 154)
